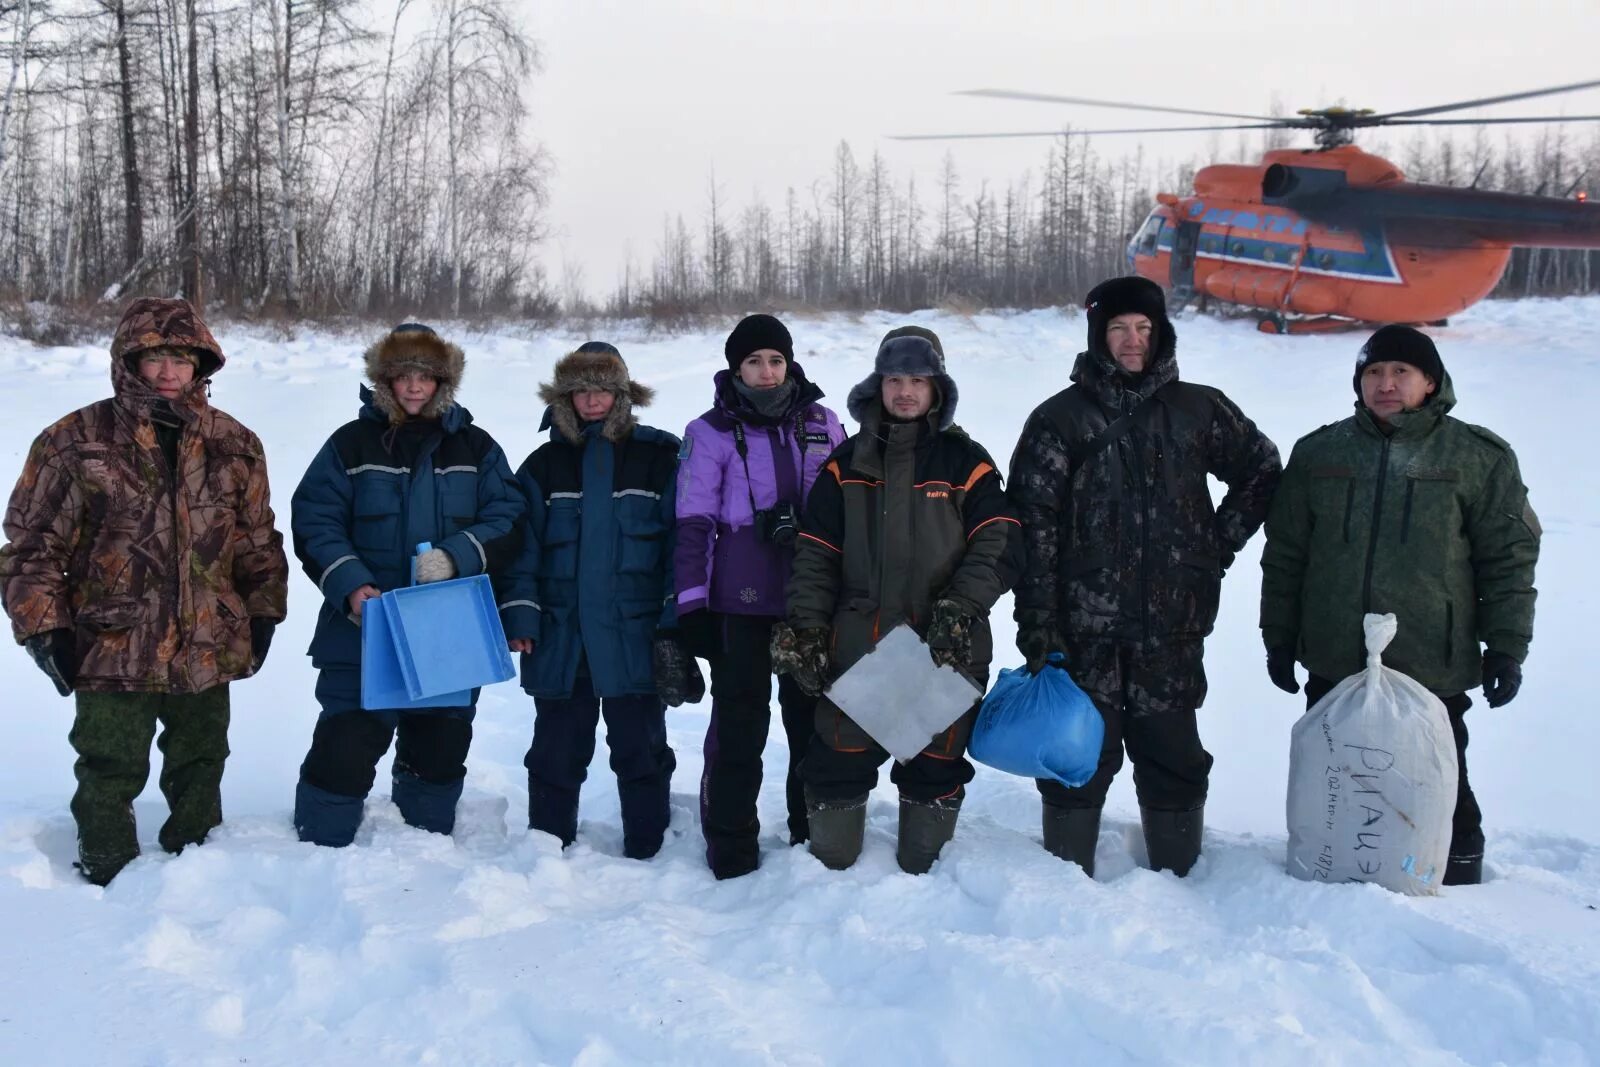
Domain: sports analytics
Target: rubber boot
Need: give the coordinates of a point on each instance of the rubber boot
(1072, 834)
(837, 829)
(1464, 870)
(1172, 838)
(925, 828)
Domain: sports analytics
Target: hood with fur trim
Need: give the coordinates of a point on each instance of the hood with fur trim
(412, 346)
(598, 367)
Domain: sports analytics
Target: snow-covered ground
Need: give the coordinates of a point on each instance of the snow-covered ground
(494, 947)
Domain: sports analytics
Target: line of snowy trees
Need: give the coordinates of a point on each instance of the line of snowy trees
(863, 238)
(269, 153)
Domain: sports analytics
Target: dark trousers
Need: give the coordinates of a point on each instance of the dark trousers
(430, 766)
(838, 774)
(111, 733)
(1466, 826)
(563, 744)
(741, 715)
(1147, 693)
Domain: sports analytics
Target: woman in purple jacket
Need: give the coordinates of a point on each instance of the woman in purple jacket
(743, 475)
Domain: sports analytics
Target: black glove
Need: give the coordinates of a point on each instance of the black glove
(261, 638)
(1036, 643)
(677, 675)
(1280, 668)
(55, 652)
(701, 633)
(950, 635)
(1502, 677)
(802, 654)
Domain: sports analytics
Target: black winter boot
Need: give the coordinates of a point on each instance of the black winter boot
(1463, 870)
(924, 830)
(1072, 834)
(1172, 838)
(837, 829)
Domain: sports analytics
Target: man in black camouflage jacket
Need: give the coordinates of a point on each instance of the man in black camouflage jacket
(1124, 560)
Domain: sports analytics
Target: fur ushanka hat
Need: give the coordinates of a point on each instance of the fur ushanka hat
(411, 346)
(594, 367)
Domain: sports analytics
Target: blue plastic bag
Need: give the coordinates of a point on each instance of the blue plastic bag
(1039, 726)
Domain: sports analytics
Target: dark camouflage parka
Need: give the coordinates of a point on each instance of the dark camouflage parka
(1127, 544)
(157, 576)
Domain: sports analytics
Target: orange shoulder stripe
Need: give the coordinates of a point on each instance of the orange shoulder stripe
(977, 472)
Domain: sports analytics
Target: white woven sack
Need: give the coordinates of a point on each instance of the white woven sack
(1372, 779)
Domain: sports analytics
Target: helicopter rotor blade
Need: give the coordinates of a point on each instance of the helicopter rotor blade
(1493, 122)
(1078, 133)
(1486, 101)
(1047, 98)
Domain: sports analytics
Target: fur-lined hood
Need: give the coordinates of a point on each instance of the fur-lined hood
(594, 366)
(413, 346)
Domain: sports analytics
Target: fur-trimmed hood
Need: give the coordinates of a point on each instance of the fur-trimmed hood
(594, 366)
(408, 347)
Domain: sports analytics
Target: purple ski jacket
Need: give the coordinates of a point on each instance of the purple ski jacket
(721, 562)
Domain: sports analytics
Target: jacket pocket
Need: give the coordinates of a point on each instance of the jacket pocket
(1194, 589)
(460, 507)
(641, 534)
(377, 511)
(1427, 488)
(559, 548)
(1334, 488)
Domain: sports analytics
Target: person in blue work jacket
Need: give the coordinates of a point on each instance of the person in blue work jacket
(411, 468)
(589, 602)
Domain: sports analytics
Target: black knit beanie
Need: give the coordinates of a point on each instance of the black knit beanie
(1400, 344)
(754, 333)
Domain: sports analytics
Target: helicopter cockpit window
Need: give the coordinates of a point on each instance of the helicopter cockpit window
(1149, 236)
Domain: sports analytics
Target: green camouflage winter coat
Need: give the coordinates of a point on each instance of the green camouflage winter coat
(1430, 522)
(157, 576)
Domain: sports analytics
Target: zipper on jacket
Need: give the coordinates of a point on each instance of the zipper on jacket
(1349, 506)
(1377, 515)
(1405, 514)
(1144, 534)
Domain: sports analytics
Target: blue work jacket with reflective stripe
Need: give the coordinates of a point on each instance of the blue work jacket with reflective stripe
(593, 580)
(374, 492)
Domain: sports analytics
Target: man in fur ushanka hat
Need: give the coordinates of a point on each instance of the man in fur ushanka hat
(590, 602)
(411, 468)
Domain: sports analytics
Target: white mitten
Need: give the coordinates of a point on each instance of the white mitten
(435, 565)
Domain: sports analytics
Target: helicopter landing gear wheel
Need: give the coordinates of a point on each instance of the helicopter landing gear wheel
(1272, 322)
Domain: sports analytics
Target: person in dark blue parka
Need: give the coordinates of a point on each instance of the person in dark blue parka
(589, 601)
(411, 468)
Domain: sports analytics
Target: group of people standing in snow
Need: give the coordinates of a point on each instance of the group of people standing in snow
(144, 574)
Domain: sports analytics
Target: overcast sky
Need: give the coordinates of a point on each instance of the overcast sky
(640, 102)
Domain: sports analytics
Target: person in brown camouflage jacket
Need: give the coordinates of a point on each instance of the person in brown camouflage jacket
(1124, 560)
(143, 570)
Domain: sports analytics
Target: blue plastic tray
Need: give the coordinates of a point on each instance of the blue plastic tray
(383, 685)
(448, 637)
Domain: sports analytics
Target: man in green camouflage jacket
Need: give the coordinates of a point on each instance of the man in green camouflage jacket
(1401, 508)
(144, 572)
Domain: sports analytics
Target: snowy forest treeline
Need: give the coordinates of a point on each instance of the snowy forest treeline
(287, 156)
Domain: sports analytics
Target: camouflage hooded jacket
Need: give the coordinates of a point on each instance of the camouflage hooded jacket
(157, 573)
(1126, 544)
(1430, 521)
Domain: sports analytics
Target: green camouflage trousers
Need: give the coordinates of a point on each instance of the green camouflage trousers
(112, 734)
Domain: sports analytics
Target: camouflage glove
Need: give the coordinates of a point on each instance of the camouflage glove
(435, 565)
(1280, 668)
(950, 635)
(261, 631)
(1037, 643)
(53, 651)
(1502, 677)
(803, 655)
(677, 675)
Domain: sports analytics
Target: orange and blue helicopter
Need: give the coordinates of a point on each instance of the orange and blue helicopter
(1333, 237)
